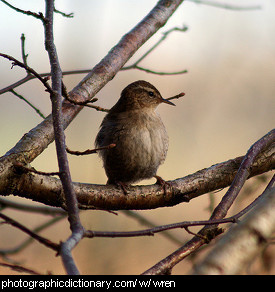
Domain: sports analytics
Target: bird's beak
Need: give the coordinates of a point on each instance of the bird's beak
(168, 101)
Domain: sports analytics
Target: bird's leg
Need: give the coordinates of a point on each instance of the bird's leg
(164, 184)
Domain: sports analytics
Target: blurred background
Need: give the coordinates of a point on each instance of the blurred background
(228, 105)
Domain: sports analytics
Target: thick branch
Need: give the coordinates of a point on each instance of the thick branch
(48, 190)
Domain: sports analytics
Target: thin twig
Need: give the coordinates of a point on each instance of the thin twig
(146, 222)
(24, 168)
(176, 96)
(157, 229)
(155, 72)
(227, 6)
(68, 15)
(90, 151)
(97, 108)
(35, 236)
(82, 103)
(45, 210)
(29, 13)
(19, 268)
(28, 102)
(42, 75)
(29, 69)
(29, 240)
(136, 64)
(24, 55)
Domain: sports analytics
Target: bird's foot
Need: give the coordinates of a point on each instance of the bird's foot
(163, 183)
(123, 186)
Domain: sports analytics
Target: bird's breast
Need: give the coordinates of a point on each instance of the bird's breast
(147, 140)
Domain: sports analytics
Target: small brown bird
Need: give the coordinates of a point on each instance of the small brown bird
(137, 130)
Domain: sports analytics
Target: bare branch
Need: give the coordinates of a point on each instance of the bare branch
(56, 98)
(163, 38)
(97, 108)
(68, 15)
(43, 75)
(29, 13)
(4, 203)
(251, 235)
(35, 236)
(176, 96)
(155, 72)
(28, 102)
(28, 69)
(147, 222)
(22, 168)
(226, 6)
(157, 229)
(108, 197)
(24, 55)
(127, 46)
(89, 151)
(19, 268)
(29, 240)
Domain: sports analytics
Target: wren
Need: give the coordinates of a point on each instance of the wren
(138, 132)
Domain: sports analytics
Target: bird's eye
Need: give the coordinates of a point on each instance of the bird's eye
(151, 93)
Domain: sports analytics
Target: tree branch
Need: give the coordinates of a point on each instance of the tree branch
(56, 98)
(108, 197)
(19, 268)
(35, 236)
(89, 151)
(31, 77)
(163, 38)
(5, 203)
(251, 235)
(226, 6)
(24, 55)
(29, 13)
(28, 69)
(28, 102)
